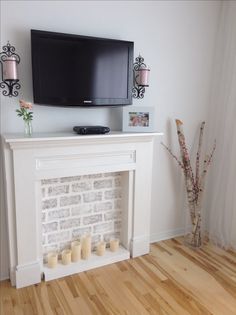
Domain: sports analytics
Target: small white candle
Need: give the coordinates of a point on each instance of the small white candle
(101, 247)
(66, 256)
(75, 251)
(52, 260)
(114, 244)
(9, 69)
(86, 247)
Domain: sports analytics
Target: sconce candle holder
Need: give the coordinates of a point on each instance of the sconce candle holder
(9, 60)
(141, 77)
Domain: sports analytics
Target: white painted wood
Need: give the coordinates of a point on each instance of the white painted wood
(82, 265)
(28, 160)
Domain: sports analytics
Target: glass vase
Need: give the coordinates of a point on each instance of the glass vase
(28, 128)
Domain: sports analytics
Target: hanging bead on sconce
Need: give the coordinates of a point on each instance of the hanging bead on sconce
(9, 60)
(141, 77)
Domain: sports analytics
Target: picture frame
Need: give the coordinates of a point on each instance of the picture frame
(138, 119)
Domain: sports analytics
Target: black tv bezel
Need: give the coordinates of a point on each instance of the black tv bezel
(35, 34)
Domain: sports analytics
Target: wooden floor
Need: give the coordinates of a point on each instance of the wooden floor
(172, 279)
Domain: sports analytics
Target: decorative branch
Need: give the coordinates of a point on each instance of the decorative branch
(194, 185)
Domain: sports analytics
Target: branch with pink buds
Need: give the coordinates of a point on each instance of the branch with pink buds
(24, 111)
(194, 182)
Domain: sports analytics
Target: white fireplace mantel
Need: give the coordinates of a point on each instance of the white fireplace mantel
(28, 160)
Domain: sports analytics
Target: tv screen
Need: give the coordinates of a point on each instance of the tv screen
(73, 70)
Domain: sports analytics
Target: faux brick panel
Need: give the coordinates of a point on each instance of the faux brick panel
(83, 186)
(92, 176)
(117, 225)
(108, 236)
(49, 181)
(50, 227)
(43, 192)
(103, 227)
(92, 196)
(103, 206)
(112, 194)
(49, 204)
(58, 190)
(118, 182)
(43, 216)
(59, 237)
(77, 233)
(69, 179)
(117, 204)
(81, 209)
(70, 200)
(113, 215)
(103, 183)
(92, 219)
(70, 223)
(58, 214)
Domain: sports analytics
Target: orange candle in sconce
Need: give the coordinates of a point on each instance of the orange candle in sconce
(52, 260)
(66, 256)
(114, 244)
(101, 247)
(86, 246)
(75, 251)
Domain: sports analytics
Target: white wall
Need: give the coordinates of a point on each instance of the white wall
(177, 40)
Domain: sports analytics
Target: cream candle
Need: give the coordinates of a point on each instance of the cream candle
(52, 260)
(101, 247)
(86, 247)
(114, 244)
(66, 256)
(9, 69)
(75, 251)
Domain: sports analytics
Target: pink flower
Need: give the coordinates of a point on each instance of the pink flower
(24, 104)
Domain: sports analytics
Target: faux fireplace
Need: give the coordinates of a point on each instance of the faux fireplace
(31, 161)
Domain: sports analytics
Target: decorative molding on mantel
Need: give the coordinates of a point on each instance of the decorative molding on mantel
(28, 160)
(55, 139)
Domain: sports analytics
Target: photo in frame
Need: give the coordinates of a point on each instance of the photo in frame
(138, 119)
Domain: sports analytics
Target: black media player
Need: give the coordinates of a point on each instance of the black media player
(91, 130)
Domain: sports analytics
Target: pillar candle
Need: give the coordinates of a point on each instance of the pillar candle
(75, 251)
(52, 260)
(101, 247)
(9, 69)
(86, 247)
(66, 256)
(114, 244)
(143, 77)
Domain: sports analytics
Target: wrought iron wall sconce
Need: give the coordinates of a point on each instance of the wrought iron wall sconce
(141, 77)
(9, 60)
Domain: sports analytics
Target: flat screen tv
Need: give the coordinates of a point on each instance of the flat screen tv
(74, 70)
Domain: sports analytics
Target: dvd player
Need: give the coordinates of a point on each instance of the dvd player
(91, 130)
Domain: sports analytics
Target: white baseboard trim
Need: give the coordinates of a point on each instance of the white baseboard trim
(2, 278)
(165, 235)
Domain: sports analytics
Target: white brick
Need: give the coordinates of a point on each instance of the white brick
(92, 219)
(103, 183)
(92, 196)
(58, 190)
(81, 186)
(43, 216)
(118, 181)
(49, 181)
(92, 176)
(108, 236)
(103, 227)
(49, 227)
(59, 237)
(117, 225)
(95, 240)
(69, 179)
(81, 209)
(70, 223)
(77, 233)
(102, 206)
(112, 174)
(117, 204)
(43, 192)
(49, 203)
(112, 215)
(70, 200)
(57, 214)
(113, 194)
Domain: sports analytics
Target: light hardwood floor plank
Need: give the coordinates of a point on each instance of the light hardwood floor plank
(172, 280)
